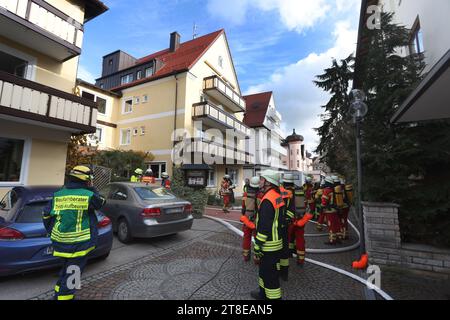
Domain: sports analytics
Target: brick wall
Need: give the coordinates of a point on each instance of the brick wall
(384, 246)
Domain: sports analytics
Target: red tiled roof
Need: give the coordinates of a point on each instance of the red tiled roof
(179, 61)
(257, 105)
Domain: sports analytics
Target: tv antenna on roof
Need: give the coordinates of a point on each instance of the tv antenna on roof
(194, 31)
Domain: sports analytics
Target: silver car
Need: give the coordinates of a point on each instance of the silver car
(141, 211)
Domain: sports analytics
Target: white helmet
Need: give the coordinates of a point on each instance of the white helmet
(254, 182)
(288, 178)
(164, 175)
(336, 179)
(227, 176)
(329, 180)
(272, 177)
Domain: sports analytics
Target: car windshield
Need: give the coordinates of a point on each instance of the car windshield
(32, 212)
(146, 193)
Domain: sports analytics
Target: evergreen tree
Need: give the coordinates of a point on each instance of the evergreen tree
(408, 164)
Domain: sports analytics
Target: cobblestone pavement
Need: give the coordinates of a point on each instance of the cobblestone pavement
(208, 267)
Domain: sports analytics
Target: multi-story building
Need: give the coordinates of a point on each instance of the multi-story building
(40, 45)
(297, 158)
(262, 116)
(429, 24)
(186, 94)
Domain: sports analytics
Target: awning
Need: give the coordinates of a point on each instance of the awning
(431, 99)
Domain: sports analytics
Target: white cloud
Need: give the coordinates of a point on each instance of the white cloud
(295, 15)
(297, 98)
(85, 75)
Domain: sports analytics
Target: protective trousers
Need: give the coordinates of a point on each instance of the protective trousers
(285, 253)
(269, 281)
(296, 238)
(69, 276)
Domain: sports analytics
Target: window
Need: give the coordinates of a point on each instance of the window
(11, 156)
(126, 79)
(119, 194)
(148, 72)
(298, 152)
(142, 131)
(137, 100)
(416, 43)
(211, 178)
(128, 106)
(13, 65)
(125, 137)
(135, 131)
(101, 105)
(147, 193)
(101, 86)
(99, 134)
(88, 96)
(158, 168)
(221, 61)
(139, 75)
(298, 163)
(110, 62)
(144, 98)
(32, 212)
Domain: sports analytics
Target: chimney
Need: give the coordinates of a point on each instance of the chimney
(174, 41)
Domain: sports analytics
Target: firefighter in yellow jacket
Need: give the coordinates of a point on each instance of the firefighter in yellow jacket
(269, 242)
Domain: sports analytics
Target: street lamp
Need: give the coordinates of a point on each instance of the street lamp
(359, 110)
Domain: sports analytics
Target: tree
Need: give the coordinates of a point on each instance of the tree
(122, 163)
(336, 143)
(408, 164)
(78, 152)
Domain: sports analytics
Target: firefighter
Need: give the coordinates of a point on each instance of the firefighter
(348, 200)
(165, 180)
(268, 241)
(319, 209)
(137, 176)
(249, 211)
(340, 205)
(330, 211)
(309, 194)
(225, 193)
(287, 193)
(148, 177)
(71, 221)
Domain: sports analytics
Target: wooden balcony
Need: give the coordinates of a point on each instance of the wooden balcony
(45, 106)
(222, 92)
(38, 25)
(214, 117)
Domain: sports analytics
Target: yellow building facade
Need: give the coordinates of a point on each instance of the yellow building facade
(40, 45)
(200, 99)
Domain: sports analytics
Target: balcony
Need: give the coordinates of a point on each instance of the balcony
(226, 154)
(45, 106)
(222, 92)
(38, 25)
(219, 119)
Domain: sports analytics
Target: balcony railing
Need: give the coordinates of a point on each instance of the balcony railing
(39, 25)
(29, 100)
(219, 150)
(219, 118)
(224, 93)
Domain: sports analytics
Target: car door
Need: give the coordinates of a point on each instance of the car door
(116, 203)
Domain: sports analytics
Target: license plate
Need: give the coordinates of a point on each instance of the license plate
(49, 251)
(174, 211)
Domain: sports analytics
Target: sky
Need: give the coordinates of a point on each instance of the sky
(277, 45)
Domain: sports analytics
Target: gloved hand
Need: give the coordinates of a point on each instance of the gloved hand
(257, 252)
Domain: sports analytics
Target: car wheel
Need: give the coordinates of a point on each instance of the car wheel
(124, 231)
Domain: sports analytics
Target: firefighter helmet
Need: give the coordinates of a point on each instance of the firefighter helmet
(82, 173)
(254, 182)
(272, 177)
